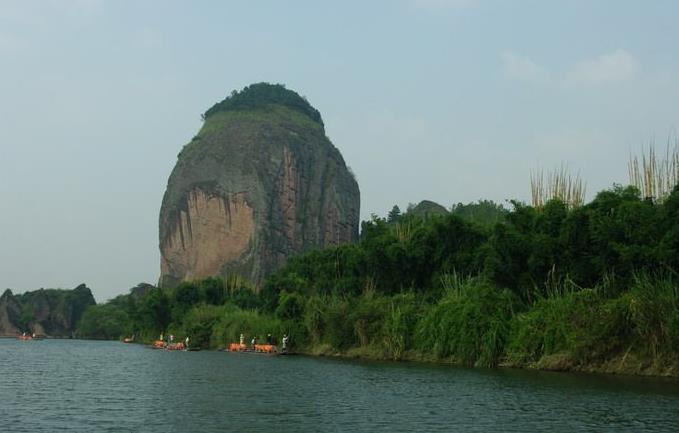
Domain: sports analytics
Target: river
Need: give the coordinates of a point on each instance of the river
(89, 386)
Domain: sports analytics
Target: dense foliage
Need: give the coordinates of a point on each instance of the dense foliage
(553, 287)
(261, 95)
(190, 309)
(612, 238)
(56, 312)
(484, 212)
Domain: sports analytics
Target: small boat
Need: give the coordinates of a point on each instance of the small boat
(264, 349)
(238, 347)
(175, 346)
(28, 337)
(128, 339)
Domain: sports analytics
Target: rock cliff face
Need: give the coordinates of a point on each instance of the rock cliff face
(259, 183)
(10, 311)
(49, 312)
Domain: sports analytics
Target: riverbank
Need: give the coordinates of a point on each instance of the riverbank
(627, 364)
(472, 323)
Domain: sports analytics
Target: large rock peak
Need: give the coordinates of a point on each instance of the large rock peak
(259, 183)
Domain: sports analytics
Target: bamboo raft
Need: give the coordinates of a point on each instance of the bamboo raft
(267, 349)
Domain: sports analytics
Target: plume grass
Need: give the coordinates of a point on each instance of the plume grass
(557, 184)
(654, 175)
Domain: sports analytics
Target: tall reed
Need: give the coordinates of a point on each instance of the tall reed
(557, 184)
(403, 231)
(655, 176)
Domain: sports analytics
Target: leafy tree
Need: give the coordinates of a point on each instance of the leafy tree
(26, 318)
(483, 212)
(290, 306)
(153, 314)
(394, 214)
(186, 295)
(213, 290)
(103, 322)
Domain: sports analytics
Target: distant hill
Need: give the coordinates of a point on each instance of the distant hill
(484, 212)
(48, 312)
(427, 208)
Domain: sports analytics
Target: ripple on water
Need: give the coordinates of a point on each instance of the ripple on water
(83, 386)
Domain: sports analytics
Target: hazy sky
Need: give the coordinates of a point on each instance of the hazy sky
(448, 100)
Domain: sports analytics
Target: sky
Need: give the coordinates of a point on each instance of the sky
(446, 100)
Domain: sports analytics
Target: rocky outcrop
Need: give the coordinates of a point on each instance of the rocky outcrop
(427, 208)
(50, 312)
(140, 290)
(10, 312)
(259, 183)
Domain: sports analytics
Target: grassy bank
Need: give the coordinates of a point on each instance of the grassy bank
(477, 325)
(471, 323)
(586, 288)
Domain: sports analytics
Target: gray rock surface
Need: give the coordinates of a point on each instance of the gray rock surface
(259, 183)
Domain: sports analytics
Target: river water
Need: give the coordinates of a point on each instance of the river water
(88, 386)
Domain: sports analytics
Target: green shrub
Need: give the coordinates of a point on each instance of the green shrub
(103, 322)
(314, 318)
(367, 315)
(199, 323)
(582, 324)
(290, 306)
(399, 325)
(339, 328)
(653, 305)
(250, 323)
(470, 324)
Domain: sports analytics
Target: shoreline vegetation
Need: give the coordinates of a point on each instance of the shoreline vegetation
(591, 287)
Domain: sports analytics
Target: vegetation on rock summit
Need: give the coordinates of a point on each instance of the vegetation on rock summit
(262, 95)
